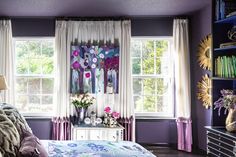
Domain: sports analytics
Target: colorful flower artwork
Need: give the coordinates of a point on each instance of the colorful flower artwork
(94, 69)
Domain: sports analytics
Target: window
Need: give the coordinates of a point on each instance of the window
(34, 75)
(152, 73)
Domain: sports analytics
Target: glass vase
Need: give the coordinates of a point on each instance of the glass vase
(81, 113)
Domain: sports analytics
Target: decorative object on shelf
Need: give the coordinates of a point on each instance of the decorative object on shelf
(94, 68)
(81, 103)
(93, 118)
(228, 101)
(232, 37)
(204, 53)
(232, 33)
(228, 44)
(204, 91)
(87, 120)
(110, 118)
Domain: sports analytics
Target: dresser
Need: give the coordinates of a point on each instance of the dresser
(220, 143)
(99, 132)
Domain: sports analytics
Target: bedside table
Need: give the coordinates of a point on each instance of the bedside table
(99, 132)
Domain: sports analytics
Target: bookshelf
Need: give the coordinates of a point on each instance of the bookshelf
(223, 57)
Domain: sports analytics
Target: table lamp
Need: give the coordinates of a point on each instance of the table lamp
(3, 85)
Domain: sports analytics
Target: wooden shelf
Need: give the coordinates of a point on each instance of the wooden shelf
(231, 19)
(225, 49)
(223, 78)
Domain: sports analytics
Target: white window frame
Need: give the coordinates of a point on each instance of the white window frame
(27, 114)
(157, 115)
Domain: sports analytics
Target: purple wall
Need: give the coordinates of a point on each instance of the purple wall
(147, 131)
(200, 27)
(156, 131)
(41, 127)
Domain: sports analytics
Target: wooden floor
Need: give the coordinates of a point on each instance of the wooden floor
(169, 152)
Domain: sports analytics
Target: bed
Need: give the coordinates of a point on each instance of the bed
(17, 139)
(94, 149)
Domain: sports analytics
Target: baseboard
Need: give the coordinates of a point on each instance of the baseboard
(170, 145)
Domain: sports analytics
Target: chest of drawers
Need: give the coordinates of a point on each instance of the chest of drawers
(220, 143)
(87, 132)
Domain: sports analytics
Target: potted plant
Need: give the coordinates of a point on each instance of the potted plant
(81, 103)
(228, 101)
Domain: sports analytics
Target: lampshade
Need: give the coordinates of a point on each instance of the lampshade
(3, 83)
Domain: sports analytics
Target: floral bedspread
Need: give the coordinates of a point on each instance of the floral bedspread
(95, 149)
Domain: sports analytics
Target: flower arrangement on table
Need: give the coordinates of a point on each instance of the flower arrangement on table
(81, 103)
(228, 101)
(110, 118)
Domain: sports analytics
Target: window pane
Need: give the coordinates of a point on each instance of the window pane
(47, 49)
(22, 66)
(21, 50)
(47, 100)
(137, 86)
(159, 104)
(21, 85)
(34, 86)
(34, 99)
(21, 102)
(136, 68)
(47, 85)
(149, 104)
(47, 65)
(149, 86)
(136, 48)
(162, 86)
(138, 104)
(162, 48)
(162, 66)
(148, 65)
(34, 48)
(148, 49)
(35, 66)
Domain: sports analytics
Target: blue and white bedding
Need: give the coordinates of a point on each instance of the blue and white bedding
(94, 149)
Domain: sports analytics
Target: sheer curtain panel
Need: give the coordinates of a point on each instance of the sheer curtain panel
(183, 89)
(67, 32)
(7, 59)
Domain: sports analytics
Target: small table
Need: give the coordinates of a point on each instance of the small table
(98, 132)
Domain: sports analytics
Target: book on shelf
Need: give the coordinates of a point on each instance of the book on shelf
(225, 66)
(228, 44)
(224, 9)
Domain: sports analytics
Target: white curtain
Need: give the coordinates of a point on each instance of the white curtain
(84, 31)
(183, 88)
(62, 81)
(7, 59)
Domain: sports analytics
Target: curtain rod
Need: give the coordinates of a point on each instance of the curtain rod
(4, 18)
(93, 18)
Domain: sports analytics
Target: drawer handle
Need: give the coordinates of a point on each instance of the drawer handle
(98, 137)
(114, 137)
(82, 136)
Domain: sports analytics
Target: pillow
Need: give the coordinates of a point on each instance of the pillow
(31, 146)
